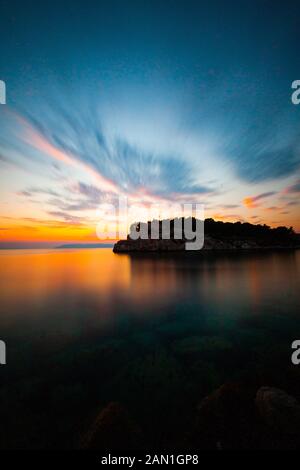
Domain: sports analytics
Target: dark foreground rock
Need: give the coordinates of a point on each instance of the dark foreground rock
(236, 417)
(113, 429)
(226, 420)
(280, 418)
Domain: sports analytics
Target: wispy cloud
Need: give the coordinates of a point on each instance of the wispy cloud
(31, 191)
(252, 201)
(293, 203)
(294, 188)
(73, 205)
(77, 139)
(75, 220)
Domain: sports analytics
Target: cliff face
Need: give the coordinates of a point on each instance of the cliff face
(218, 236)
(123, 246)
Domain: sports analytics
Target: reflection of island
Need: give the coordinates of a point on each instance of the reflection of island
(218, 236)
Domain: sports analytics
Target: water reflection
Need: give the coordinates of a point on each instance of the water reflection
(157, 333)
(244, 280)
(105, 283)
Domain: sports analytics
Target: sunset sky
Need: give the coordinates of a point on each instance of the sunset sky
(156, 101)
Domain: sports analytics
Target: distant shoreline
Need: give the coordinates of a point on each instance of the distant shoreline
(58, 247)
(120, 248)
(85, 245)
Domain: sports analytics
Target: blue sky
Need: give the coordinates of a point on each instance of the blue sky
(174, 100)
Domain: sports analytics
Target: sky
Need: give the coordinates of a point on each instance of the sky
(158, 102)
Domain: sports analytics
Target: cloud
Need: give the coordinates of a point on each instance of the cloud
(262, 144)
(76, 137)
(230, 206)
(24, 193)
(88, 197)
(294, 188)
(74, 205)
(41, 143)
(293, 203)
(67, 217)
(90, 191)
(160, 175)
(3, 159)
(10, 162)
(268, 165)
(230, 217)
(251, 202)
(29, 192)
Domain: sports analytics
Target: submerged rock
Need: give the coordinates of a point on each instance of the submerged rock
(113, 429)
(238, 417)
(226, 419)
(280, 416)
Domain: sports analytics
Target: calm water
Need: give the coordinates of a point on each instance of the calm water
(85, 327)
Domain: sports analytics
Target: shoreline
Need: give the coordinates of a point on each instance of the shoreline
(218, 246)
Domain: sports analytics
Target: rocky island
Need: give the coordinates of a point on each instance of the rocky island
(217, 236)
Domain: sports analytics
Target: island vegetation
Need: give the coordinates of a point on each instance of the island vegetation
(218, 235)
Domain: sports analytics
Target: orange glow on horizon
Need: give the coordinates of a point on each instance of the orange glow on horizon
(24, 231)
